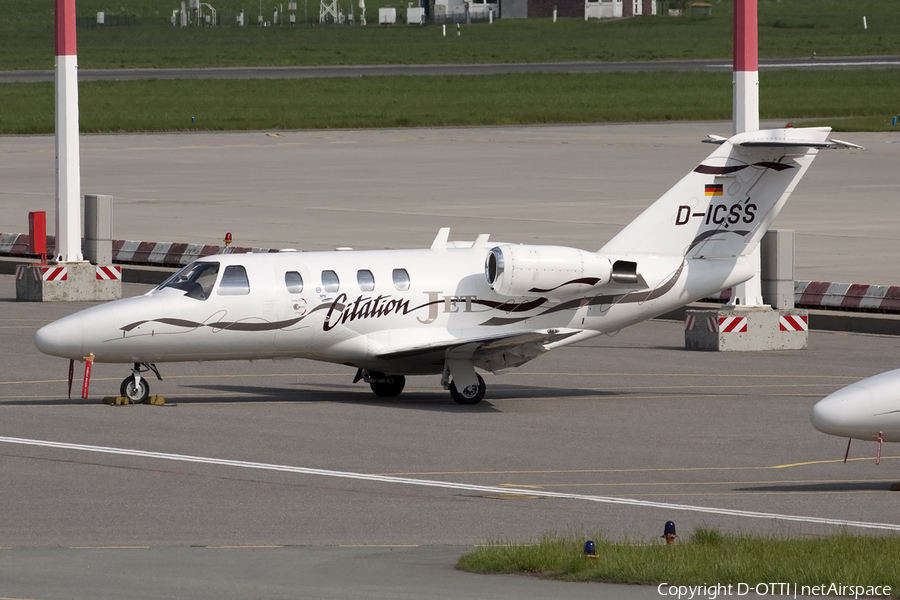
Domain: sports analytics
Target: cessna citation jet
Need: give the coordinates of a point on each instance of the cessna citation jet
(865, 410)
(457, 306)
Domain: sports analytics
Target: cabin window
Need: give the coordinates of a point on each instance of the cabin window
(330, 281)
(234, 282)
(401, 279)
(197, 279)
(293, 281)
(366, 280)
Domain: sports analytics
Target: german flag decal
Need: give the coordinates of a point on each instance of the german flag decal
(713, 189)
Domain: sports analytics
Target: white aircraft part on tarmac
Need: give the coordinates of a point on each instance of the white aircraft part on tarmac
(457, 306)
(865, 410)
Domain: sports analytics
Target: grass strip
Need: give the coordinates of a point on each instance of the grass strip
(847, 100)
(707, 557)
(795, 28)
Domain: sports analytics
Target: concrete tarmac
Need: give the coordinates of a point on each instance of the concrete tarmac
(568, 185)
(284, 476)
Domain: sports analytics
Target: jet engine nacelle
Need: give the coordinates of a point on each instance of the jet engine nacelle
(550, 271)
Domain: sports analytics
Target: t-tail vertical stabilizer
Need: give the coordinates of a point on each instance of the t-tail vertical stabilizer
(724, 206)
(695, 240)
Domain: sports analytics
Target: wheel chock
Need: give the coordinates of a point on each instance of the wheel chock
(116, 400)
(122, 400)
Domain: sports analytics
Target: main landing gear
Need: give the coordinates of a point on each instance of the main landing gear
(135, 387)
(471, 394)
(459, 377)
(384, 386)
(465, 385)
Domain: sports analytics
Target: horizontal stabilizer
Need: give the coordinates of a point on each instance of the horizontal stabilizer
(780, 142)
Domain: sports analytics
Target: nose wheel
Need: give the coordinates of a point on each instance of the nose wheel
(135, 387)
(136, 390)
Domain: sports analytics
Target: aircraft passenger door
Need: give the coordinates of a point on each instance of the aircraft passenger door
(294, 297)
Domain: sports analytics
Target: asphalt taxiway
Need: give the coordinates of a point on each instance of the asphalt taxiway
(834, 63)
(287, 479)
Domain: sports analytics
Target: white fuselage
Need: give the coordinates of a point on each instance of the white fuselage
(441, 298)
(863, 410)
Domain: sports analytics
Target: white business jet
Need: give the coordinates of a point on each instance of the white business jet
(865, 410)
(457, 306)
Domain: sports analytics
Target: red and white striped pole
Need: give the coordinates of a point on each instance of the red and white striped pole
(746, 67)
(746, 117)
(68, 162)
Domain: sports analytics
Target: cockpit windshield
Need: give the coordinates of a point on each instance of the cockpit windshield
(197, 279)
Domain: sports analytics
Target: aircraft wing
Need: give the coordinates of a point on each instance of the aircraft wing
(490, 352)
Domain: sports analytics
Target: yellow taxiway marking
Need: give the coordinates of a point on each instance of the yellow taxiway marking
(109, 547)
(232, 376)
(743, 494)
(226, 547)
(378, 546)
(696, 375)
(822, 462)
(641, 470)
(8, 598)
(662, 483)
(511, 496)
(551, 471)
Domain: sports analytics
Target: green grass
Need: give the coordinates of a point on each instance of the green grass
(847, 100)
(786, 29)
(706, 557)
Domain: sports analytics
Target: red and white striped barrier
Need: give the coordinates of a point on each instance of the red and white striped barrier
(20, 273)
(689, 322)
(109, 273)
(732, 324)
(709, 324)
(151, 254)
(847, 296)
(170, 254)
(54, 273)
(793, 323)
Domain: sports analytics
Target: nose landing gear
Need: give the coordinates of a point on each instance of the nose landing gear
(135, 387)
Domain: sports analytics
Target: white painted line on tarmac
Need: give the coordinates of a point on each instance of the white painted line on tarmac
(444, 484)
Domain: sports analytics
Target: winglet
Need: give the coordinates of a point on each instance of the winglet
(843, 144)
(440, 240)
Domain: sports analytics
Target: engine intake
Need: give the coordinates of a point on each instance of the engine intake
(550, 271)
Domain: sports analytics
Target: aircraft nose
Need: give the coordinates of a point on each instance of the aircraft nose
(64, 338)
(847, 412)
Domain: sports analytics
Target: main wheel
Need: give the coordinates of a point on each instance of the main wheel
(470, 395)
(387, 386)
(137, 393)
